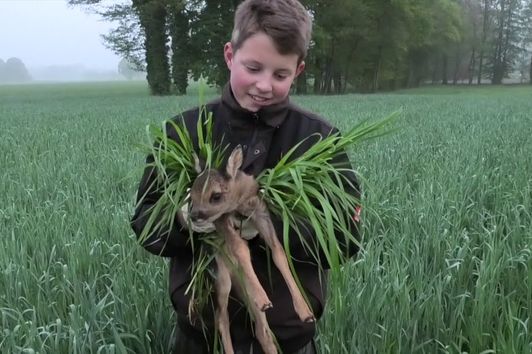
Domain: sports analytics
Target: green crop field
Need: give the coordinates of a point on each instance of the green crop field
(448, 223)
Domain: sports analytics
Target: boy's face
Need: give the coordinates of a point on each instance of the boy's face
(260, 75)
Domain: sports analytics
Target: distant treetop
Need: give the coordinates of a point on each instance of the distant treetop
(13, 71)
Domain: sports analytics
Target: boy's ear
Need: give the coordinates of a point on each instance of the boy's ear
(300, 68)
(228, 54)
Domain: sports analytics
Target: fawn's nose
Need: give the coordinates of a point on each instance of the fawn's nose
(196, 215)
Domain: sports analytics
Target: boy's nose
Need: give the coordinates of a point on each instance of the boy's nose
(264, 84)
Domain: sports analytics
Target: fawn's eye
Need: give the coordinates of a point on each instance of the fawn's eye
(215, 197)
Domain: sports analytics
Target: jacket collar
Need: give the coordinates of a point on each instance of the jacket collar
(272, 116)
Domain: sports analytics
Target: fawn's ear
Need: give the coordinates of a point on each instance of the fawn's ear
(234, 162)
(197, 164)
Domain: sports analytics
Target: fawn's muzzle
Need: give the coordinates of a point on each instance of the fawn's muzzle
(197, 215)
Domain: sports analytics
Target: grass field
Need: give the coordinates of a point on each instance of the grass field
(448, 223)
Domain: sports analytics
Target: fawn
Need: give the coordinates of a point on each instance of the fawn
(216, 197)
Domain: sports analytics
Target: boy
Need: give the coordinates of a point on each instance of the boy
(265, 55)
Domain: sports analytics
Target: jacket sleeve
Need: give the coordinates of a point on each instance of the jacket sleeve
(352, 187)
(163, 241)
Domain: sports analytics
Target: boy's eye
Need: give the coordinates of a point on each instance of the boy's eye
(215, 197)
(252, 69)
(281, 76)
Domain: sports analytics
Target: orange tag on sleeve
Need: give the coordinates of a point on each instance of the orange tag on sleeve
(358, 210)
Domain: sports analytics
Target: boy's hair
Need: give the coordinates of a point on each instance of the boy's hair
(286, 22)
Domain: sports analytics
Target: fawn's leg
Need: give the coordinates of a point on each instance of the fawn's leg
(263, 223)
(239, 249)
(251, 288)
(263, 332)
(223, 287)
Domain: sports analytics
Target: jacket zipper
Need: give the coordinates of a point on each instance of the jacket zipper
(253, 139)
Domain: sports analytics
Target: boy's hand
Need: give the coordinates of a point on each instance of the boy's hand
(245, 228)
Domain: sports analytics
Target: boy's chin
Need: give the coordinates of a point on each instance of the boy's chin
(249, 105)
(253, 108)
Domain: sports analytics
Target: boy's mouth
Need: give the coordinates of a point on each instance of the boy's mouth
(259, 99)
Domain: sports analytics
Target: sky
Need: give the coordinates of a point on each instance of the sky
(48, 32)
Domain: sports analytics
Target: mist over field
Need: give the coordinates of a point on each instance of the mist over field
(71, 73)
(56, 42)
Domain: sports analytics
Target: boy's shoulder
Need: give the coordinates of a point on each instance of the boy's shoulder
(190, 118)
(191, 115)
(302, 118)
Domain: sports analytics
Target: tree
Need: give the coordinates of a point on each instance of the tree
(210, 28)
(179, 28)
(361, 45)
(472, 34)
(527, 38)
(152, 15)
(486, 22)
(2, 68)
(127, 39)
(339, 28)
(442, 39)
(166, 21)
(13, 71)
(141, 36)
(505, 43)
(128, 70)
(420, 50)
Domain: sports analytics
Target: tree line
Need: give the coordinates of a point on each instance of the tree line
(357, 46)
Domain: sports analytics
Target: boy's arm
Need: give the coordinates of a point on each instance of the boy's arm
(352, 187)
(347, 248)
(163, 241)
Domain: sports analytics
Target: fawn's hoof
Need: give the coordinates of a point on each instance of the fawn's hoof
(304, 312)
(310, 319)
(266, 307)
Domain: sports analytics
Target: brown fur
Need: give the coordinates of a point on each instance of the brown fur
(215, 198)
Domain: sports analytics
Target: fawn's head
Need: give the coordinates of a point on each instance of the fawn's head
(215, 192)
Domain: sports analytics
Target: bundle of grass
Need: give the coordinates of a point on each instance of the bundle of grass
(311, 187)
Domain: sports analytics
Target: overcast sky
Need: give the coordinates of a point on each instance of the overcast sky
(48, 32)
